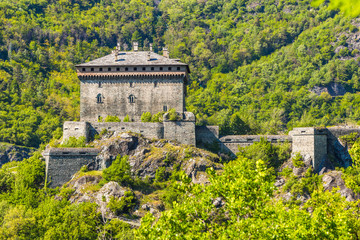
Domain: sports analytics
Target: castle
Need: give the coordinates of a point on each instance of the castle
(130, 83)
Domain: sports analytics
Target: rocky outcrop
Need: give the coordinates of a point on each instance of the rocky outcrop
(334, 179)
(334, 89)
(147, 156)
(10, 153)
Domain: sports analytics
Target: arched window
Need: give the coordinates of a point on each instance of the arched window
(99, 98)
(131, 98)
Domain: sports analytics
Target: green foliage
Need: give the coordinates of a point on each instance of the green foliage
(112, 119)
(146, 117)
(297, 160)
(349, 139)
(157, 117)
(117, 229)
(119, 171)
(160, 174)
(173, 116)
(124, 205)
(127, 118)
(349, 7)
(73, 142)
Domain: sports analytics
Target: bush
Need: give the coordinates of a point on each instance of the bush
(119, 171)
(297, 160)
(160, 175)
(173, 115)
(112, 119)
(124, 204)
(126, 118)
(158, 117)
(73, 142)
(146, 117)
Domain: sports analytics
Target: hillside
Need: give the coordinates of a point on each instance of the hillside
(271, 63)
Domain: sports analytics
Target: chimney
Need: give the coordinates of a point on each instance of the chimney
(118, 46)
(149, 56)
(151, 47)
(116, 53)
(135, 46)
(165, 52)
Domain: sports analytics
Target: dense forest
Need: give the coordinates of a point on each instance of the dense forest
(259, 61)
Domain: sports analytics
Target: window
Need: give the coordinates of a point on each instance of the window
(144, 68)
(99, 98)
(152, 68)
(135, 68)
(100, 85)
(131, 99)
(161, 68)
(92, 69)
(109, 69)
(117, 69)
(83, 69)
(100, 69)
(165, 108)
(131, 84)
(169, 68)
(178, 68)
(126, 69)
(155, 84)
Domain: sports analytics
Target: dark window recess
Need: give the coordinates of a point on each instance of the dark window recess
(122, 128)
(135, 68)
(144, 68)
(66, 152)
(131, 84)
(227, 140)
(155, 84)
(126, 69)
(169, 68)
(141, 131)
(84, 70)
(99, 98)
(65, 128)
(100, 69)
(76, 128)
(82, 152)
(178, 68)
(92, 69)
(131, 99)
(117, 69)
(100, 85)
(99, 118)
(165, 108)
(109, 69)
(161, 68)
(152, 68)
(109, 127)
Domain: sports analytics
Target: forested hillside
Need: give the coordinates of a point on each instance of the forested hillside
(254, 59)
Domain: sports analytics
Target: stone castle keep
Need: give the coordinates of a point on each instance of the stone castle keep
(134, 82)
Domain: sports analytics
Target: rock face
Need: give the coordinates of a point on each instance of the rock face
(333, 180)
(147, 156)
(10, 153)
(334, 89)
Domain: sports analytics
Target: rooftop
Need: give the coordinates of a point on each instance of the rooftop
(132, 59)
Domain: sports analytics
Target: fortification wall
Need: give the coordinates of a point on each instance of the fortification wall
(207, 134)
(232, 143)
(76, 129)
(182, 131)
(62, 163)
(147, 129)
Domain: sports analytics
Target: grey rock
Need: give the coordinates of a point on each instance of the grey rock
(218, 202)
(279, 182)
(10, 153)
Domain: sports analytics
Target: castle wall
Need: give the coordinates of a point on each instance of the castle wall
(232, 143)
(207, 134)
(147, 129)
(149, 95)
(182, 131)
(62, 163)
(76, 129)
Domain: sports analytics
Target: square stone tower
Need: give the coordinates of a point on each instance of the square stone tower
(131, 83)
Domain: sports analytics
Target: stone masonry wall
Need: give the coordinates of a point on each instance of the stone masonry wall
(76, 129)
(149, 95)
(62, 163)
(182, 131)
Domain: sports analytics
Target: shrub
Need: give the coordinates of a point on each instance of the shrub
(173, 116)
(73, 142)
(157, 117)
(297, 160)
(160, 175)
(124, 204)
(119, 171)
(146, 117)
(126, 118)
(112, 119)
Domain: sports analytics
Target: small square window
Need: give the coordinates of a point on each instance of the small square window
(155, 84)
(161, 68)
(83, 69)
(100, 85)
(169, 68)
(165, 108)
(117, 69)
(178, 68)
(92, 69)
(109, 69)
(100, 69)
(126, 69)
(144, 68)
(152, 68)
(135, 68)
(131, 84)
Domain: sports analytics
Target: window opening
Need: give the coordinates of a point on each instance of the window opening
(109, 69)
(131, 84)
(144, 68)
(155, 84)
(92, 69)
(165, 108)
(131, 99)
(126, 69)
(117, 69)
(178, 68)
(152, 68)
(135, 68)
(169, 68)
(84, 70)
(161, 68)
(100, 85)
(99, 98)
(100, 69)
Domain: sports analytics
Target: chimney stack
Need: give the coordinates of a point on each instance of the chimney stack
(151, 47)
(149, 56)
(135, 46)
(165, 52)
